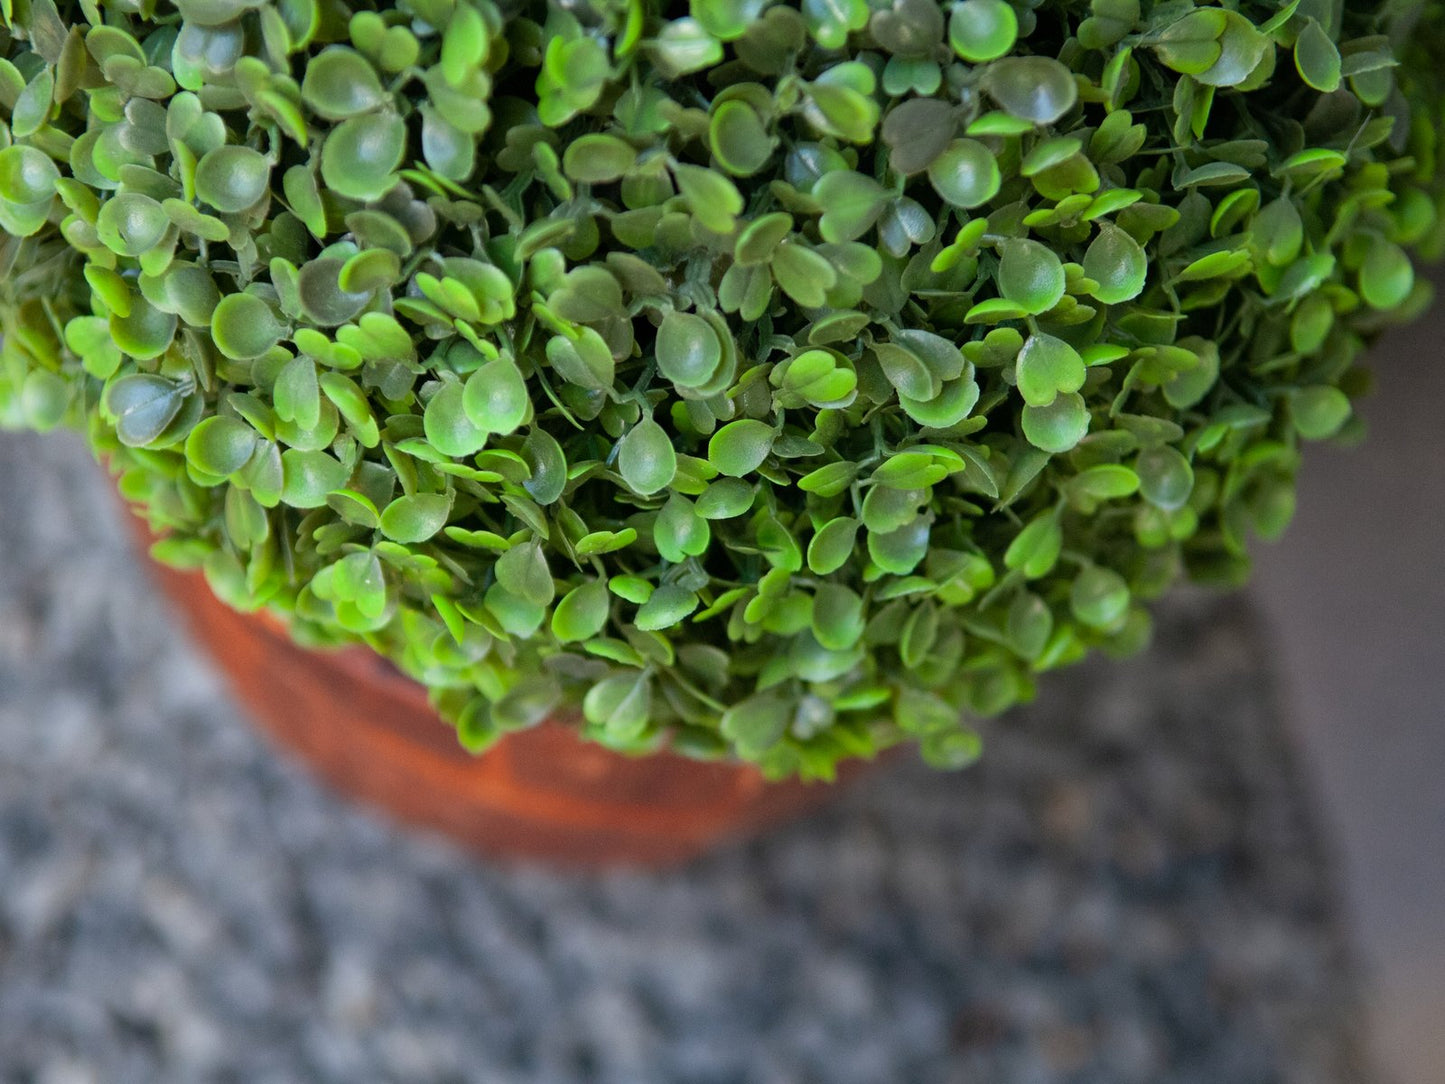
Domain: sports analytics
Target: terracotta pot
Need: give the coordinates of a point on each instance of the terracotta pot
(541, 793)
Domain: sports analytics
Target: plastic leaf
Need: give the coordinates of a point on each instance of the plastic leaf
(495, 397)
(740, 447)
(982, 30)
(646, 459)
(966, 174)
(1032, 88)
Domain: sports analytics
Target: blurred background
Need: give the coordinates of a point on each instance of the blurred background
(1218, 861)
(1354, 597)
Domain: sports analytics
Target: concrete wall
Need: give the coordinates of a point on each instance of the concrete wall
(1356, 595)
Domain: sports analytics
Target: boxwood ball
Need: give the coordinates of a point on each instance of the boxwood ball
(771, 380)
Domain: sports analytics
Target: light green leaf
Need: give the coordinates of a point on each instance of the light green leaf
(646, 459)
(740, 447)
(495, 397)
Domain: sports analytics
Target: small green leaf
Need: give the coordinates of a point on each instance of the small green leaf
(829, 21)
(851, 203)
(803, 274)
(129, 223)
(585, 360)
(1165, 477)
(684, 46)
(632, 588)
(1032, 88)
(1059, 426)
(523, 571)
(966, 174)
(1317, 58)
(598, 158)
(1190, 45)
(27, 175)
(296, 395)
(900, 551)
(727, 19)
(309, 476)
(760, 238)
(232, 179)
(360, 156)
(739, 139)
(983, 30)
(620, 704)
(1107, 481)
(495, 397)
(714, 200)
(950, 750)
(646, 458)
(908, 28)
(582, 613)
(833, 545)
(143, 405)
(220, 445)
(1319, 411)
(666, 607)
(1047, 367)
(1241, 49)
(244, 327)
(340, 83)
(829, 481)
(1117, 263)
(44, 399)
(32, 107)
(1035, 549)
(688, 350)
(725, 498)
(920, 713)
(415, 518)
(145, 333)
(1099, 597)
(447, 426)
(755, 725)
(917, 131)
(1029, 624)
(1387, 275)
(1030, 276)
(679, 532)
(740, 447)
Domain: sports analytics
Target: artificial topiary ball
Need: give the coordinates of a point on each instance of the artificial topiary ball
(779, 380)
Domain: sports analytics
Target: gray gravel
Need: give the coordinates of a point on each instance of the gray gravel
(1129, 889)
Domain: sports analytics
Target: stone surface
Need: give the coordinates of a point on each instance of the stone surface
(1129, 888)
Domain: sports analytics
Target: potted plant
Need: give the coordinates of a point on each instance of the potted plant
(759, 383)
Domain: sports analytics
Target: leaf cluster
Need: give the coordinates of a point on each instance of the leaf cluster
(778, 380)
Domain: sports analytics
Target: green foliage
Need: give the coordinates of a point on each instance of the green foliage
(787, 380)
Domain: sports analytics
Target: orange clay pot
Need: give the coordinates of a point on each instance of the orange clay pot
(539, 794)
